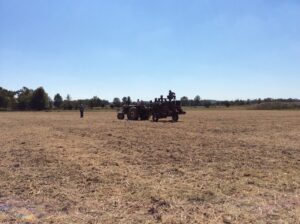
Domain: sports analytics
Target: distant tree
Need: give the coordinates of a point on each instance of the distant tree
(184, 101)
(116, 102)
(58, 100)
(104, 103)
(197, 100)
(4, 100)
(68, 98)
(95, 102)
(259, 101)
(226, 103)
(129, 100)
(24, 96)
(67, 104)
(50, 103)
(40, 99)
(124, 100)
(207, 103)
(7, 99)
(268, 100)
(239, 102)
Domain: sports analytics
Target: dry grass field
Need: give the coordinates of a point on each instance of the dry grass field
(211, 167)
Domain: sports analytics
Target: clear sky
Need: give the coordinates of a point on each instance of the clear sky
(219, 49)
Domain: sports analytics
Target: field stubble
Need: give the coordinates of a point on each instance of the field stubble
(211, 167)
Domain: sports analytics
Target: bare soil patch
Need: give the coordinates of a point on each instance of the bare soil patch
(211, 167)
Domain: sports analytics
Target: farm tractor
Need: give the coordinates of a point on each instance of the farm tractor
(134, 112)
(160, 108)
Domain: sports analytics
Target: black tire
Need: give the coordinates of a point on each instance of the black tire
(175, 117)
(121, 116)
(133, 114)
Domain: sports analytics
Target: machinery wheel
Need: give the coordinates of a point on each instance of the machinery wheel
(175, 117)
(133, 114)
(121, 116)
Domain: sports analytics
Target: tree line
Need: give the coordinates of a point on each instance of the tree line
(24, 99)
(38, 99)
(197, 101)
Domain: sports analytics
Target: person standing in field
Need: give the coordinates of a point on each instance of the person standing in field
(81, 109)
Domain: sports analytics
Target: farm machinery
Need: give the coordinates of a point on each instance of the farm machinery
(160, 108)
(134, 112)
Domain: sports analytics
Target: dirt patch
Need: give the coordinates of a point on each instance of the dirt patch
(212, 167)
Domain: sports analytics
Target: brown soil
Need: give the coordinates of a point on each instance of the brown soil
(211, 167)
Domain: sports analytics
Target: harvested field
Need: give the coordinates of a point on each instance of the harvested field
(211, 167)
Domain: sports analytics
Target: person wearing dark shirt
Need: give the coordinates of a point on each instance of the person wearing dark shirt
(81, 109)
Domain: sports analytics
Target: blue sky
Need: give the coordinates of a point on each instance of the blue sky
(219, 49)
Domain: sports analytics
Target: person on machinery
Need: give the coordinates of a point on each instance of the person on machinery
(171, 96)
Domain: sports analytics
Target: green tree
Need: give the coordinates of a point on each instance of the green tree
(95, 102)
(67, 104)
(129, 100)
(7, 98)
(68, 98)
(40, 99)
(259, 101)
(197, 100)
(4, 100)
(226, 103)
(184, 101)
(124, 100)
(207, 103)
(50, 103)
(24, 97)
(58, 100)
(104, 103)
(116, 102)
